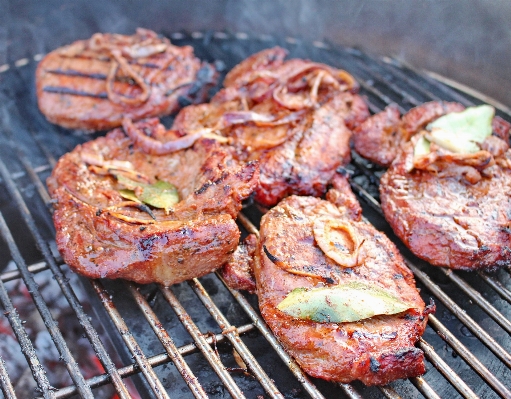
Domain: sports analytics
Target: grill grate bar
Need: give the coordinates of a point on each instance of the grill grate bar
(156, 360)
(389, 392)
(350, 391)
(497, 286)
(477, 298)
(390, 64)
(202, 343)
(463, 351)
(233, 336)
(5, 381)
(34, 177)
(447, 372)
(44, 311)
(167, 342)
(377, 93)
(443, 88)
(262, 327)
(154, 382)
(15, 274)
(26, 345)
(68, 292)
(475, 328)
(44, 148)
(424, 388)
(407, 97)
(446, 86)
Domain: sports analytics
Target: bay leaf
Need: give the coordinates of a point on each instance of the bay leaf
(161, 194)
(421, 148)
(461, 131)
(341, 303)
(129, 195)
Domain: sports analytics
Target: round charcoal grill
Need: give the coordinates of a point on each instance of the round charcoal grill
(199, 338)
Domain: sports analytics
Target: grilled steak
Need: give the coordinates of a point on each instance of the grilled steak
(448, 207)
(106, 227)
(456, 213)
(375, 350)
(91, 84)
(293, 116)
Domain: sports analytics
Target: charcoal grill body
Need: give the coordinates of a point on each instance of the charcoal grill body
(161, 334)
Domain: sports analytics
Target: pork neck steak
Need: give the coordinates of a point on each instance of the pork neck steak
(374, 350)
(91, 84)
(104, 230)
(294, 116)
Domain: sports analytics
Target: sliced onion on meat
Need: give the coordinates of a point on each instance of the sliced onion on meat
(155, 147)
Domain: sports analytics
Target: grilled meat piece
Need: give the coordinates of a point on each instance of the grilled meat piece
(102, 233)
(238, 272)
(375, 350)
(455, 211)
(293, 116)
(380, 136)
(91, 84)
(449, 208)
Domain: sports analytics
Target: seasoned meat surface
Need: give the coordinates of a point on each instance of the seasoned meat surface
(452, 215)
(91, 84)
(374, 350)
(451, 209)
(380, 136)
(101, 233)
(238, 272)
(293, 116)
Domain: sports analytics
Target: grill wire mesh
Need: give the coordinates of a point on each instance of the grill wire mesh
(199, 338)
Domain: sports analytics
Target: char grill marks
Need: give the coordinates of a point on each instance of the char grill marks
(91, 84)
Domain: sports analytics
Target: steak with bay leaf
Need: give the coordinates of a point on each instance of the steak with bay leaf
(336, 292)
(121, 212)
(446, 195)
(92, 84)
(294, 116)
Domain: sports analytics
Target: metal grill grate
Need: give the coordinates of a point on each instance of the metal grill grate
(190, 340)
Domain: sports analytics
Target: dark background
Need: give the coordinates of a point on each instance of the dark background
(468, 41)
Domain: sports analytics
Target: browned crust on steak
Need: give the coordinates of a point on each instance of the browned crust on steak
(376, 350)
(238, 272)
(196, 237)
(297, 157)
(447, 220)
(72, 81)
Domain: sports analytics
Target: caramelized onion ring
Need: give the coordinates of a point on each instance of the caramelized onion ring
(342, 247)
(121, 62)
(288, 268)
(155, 147)
(262, 120)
